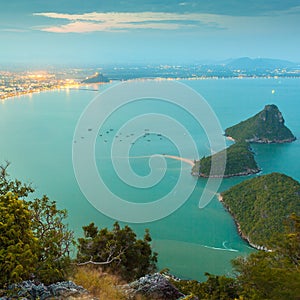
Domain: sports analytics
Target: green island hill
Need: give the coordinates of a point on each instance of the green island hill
(261, 207)
(239, 162)
(265, 127)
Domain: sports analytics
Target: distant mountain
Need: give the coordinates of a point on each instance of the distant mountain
(96, 78)
(265, 127)
(246, 63)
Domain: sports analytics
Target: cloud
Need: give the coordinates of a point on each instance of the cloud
(13, 30)
(113, 21)
(290, 11)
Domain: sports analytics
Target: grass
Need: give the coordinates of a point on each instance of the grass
(99, 284)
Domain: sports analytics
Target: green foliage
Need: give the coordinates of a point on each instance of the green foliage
(261, 205)
(17, 242)
(239, 161)
(273, 275)
(288, 245)
(14, 186)
(214, 288)
(34, 239)
(266, 126)
(117, 250)
(54, 237)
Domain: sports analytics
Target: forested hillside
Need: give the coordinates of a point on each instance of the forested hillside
(262, 205)
(239, 161)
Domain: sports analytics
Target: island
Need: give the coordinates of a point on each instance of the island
(261, 207)
(239, 162)
(96, 78)
(265, 127)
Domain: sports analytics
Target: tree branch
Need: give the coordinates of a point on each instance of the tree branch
(109, 260)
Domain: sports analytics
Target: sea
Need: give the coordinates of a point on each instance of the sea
(37, 137)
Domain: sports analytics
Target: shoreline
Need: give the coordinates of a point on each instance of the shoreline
(246, 173)
(5, 97)
(26, 93)
(77, 86)
(259, 141)
(238, 226)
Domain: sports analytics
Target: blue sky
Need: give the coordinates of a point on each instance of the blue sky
(150, 31)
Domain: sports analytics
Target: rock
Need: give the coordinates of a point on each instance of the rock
(66, 289)
(33, 290)
(154, 286)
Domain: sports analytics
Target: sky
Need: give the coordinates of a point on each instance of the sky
(94, 32)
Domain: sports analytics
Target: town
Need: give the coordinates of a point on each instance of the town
(19, 82)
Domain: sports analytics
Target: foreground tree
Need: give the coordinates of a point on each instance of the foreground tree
(214, 288)
(54, 240)
(17, 242)
(34, 241)
(14, 186)
(275, 274)
(117, 250)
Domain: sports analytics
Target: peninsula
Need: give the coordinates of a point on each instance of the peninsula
(265, 127)
(260, 207)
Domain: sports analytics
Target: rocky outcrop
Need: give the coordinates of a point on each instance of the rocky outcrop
(155, 286)
(31, 290)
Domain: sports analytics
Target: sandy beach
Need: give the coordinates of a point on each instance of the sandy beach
(230, 138)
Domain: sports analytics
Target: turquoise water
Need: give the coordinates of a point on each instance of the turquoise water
(37, 135)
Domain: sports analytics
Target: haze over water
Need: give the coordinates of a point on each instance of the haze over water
(37, 136)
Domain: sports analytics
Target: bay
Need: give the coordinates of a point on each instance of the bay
(37, 137)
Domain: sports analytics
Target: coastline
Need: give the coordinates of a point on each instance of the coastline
(259, 141)
(67, 86)
(238, 226)
(35, 91)
(246, 173)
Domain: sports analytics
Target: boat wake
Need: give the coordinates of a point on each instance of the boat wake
(225, 248)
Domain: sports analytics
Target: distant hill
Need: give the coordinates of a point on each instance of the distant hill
(261, 205)
(239, 162)
(265, 127)
(246, 63)
(97, 78)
